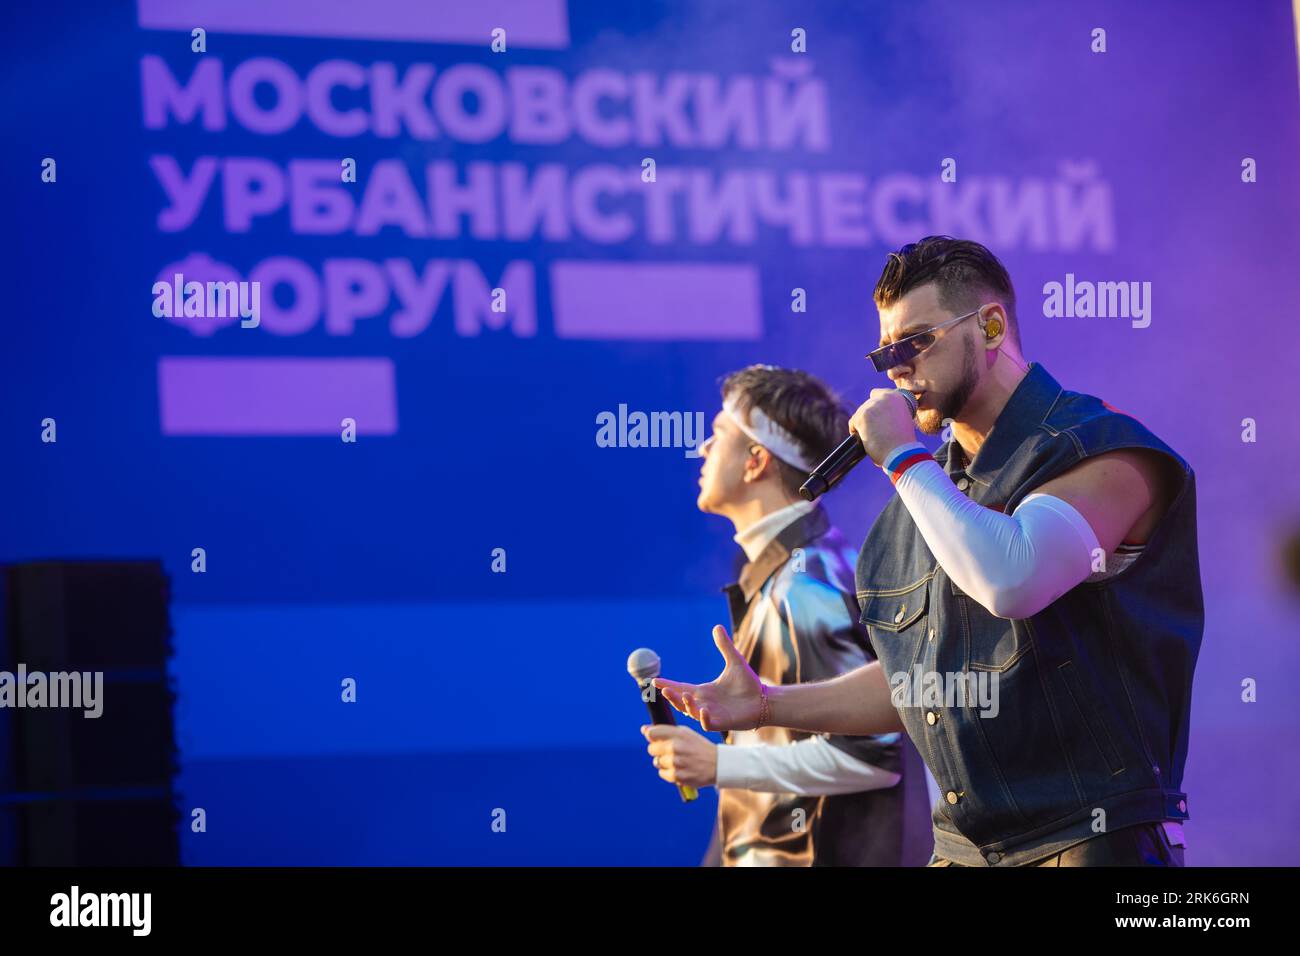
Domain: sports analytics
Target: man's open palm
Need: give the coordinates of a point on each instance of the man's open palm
(731, 702)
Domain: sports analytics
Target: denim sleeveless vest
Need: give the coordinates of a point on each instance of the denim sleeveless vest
(1093, 692)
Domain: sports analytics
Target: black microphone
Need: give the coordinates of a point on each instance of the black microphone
(841, 461)
(643, 665)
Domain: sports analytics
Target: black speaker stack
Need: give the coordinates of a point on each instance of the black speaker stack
(78, 790)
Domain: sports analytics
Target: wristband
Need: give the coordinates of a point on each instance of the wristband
(764, 708)
(904, 457)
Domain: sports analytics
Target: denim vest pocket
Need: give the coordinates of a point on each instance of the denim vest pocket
(994, 643)
(895, 609)
(1092, 718)
(897, 617)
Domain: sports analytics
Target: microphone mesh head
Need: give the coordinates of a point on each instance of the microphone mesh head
(911, 400)
(643, 663)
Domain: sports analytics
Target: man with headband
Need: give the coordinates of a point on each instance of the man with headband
(788, 798)
(1032, 591)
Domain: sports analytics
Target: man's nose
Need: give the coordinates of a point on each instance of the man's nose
(899, 371)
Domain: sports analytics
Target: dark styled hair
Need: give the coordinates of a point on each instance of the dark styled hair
(964, 272)
(802, 404)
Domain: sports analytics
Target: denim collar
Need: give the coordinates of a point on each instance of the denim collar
(1026, 410)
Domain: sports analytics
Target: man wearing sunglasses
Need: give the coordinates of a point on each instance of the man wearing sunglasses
(1047, 549)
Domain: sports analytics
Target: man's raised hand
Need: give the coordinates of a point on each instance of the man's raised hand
(731, 702)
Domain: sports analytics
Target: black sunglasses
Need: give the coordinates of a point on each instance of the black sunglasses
(896, 353)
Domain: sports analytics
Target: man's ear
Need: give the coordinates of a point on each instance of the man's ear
(758, 463)
(994, 326)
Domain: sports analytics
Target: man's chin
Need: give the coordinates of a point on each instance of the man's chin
(929, 421)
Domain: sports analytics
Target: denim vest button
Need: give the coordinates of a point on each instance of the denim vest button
(898, 618)
(931, 718)
(963, 484)
(952, 796)
(994, 858)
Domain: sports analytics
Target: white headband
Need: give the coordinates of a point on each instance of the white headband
(769, 434)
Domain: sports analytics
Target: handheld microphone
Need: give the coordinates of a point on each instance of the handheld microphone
(643, 665)
(841, 461)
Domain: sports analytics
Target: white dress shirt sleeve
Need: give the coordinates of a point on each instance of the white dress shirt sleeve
(810, 767)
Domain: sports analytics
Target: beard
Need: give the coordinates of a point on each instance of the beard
(930, 420)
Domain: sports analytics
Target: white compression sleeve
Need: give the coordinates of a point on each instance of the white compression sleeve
(1013, 565)
(810, 768)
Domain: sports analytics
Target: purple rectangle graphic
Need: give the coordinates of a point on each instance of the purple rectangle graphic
(538, 24)
(276, 396)
(656, 300)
